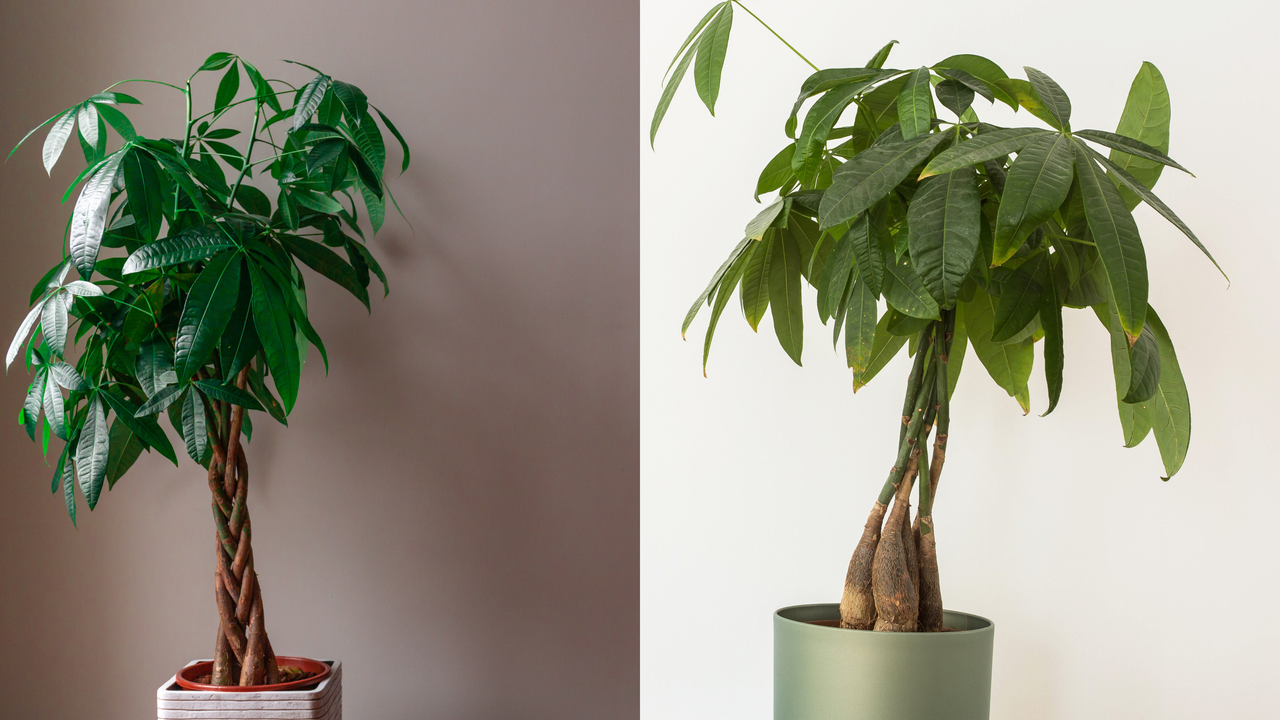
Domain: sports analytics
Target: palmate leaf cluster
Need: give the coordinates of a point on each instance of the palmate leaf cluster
(902, 212)
(209, 279)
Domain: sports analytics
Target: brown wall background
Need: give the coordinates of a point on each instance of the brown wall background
(453, 512)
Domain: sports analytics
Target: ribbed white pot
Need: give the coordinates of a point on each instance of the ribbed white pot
(322, 702)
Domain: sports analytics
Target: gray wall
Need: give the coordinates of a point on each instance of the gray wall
(453, 511)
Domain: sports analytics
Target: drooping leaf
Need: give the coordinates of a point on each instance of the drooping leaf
(764, 219)
(1135, 418)
(1037, 184)
(1171, 406)
(726, 285)
(860, 326)
(119, 121)
(943, 227)
(954, 96)
(89, 218)
(915, 104)
(825, 80)
(146, 197)
(354, 103)
(668, 93)
(871, 175)
(24, 330)
(884, 347)
(1009, 365)
(87, 119)
(228, 393)
(309, 101)
(1119, 245)
(66, 376)
(959, 348)
(126, 448)
(818, 123)
(271, 320)
(1020, 302)
(738, 251)
(1054, 355)
(34, 403)
(974, 84)
(163, 398)
(755, 281)
(784, 296)
(227, 88)
(865, 240)
(55, 410)
(835, 276)
(777, 173)
(1129, 146)
(194, 429)
(404, 146)
(155, 358)
(983, 69)
(145, 428)
(209, 305)
(92, 450)
(327, 263)
(904, 290)
(981, 148)
(66, 475)
(53, 322)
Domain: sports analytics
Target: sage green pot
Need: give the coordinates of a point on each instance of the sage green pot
(828, 673)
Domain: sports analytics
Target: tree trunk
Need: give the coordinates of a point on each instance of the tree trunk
(897, 604)
(858, 605)
(242, 652)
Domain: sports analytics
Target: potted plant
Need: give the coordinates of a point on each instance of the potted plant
(201, 310)
(923, 227)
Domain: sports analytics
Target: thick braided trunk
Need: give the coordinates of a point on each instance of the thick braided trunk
(242, 653)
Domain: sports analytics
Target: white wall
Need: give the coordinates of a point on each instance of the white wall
(1114, 595)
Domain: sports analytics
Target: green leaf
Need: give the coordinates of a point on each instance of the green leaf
(824, 80)
(904, 290)
(860, 326)
(92, 451)
(669, 92)
(943, 223)
(959, 348)
(866, 235)
(1029, 99)
(217, 61)
(155, 358)
(784, 296)
(1129, 146)
(196, 243)
(1009, 365)
(239, 341)
(818, 123)
(1054, 355)
(327, 263)
(835, 276)
(66, 471)
(764, 219)
(262, 90)
(755, 281)
(777, 173)
(1037, 185)
(229, 394)
(33, 403)
(738, 252)
(884, 347)
(981, 148)
(207, 311)
(23, 331)
(66, 376)
(1051, 96)
(711, 51)
(689, 40)
(1135, 418)
(1171, 406)
(53, 322)
(353, 100)
(1020, 299)
(89, 218)
(1145, 118)
(55, 410)
(877, 60)
(368, 140)
(227, 88)
(312, 94)
(871, 175)
(161, 400)
(983, 69)
(726, 284)
(966, 80)
(146, 428)
(1118, 242)
(1150, 198)
(146, 196)
(87, 119)
(954, 96)
(915, 104)
(56, 140)
(194, 428)
(271, 320)
(404, 146)
(126, 448)
(1144, 364)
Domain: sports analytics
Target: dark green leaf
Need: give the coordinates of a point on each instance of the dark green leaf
(66, 473)
(904, 291)
(1129, 146)
(943, 226)
(126, 447)
(871, 175)
(954, 95)
(262, 89)
(161, 400)
(860, 326)
(884, 347)
(915, 105)
(353, 102)
(1146, 119)
(1118, 242)
(1171, 407)
(1008, 364)
(192, 244)
(155, 359)
(146, 428)
(983, 69)
(1051, 96)
(835, 276)
(1020, 301)
(726, 284)
(227, 88)
(207, 311)
(711, 52)
(1038, 183)
(967, 80)
(404, 146)
(981, 148)
(194, 430)
(92, 450)
(229, 394)
(784, 296)
(755, 280)
(271, 320)
(217, 61)
(667, 93)
(146, 196)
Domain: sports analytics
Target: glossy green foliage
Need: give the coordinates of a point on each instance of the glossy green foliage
(923, 217)
(208, 303)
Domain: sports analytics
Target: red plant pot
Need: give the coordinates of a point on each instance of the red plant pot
(187, 677)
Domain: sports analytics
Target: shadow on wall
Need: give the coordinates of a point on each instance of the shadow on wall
(454, 510)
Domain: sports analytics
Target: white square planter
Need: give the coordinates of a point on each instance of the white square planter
(322, 702)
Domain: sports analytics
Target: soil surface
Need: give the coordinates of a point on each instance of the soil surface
(288, 673)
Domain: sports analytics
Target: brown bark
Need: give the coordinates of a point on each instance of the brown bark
(896, 599)
(858, 605)
(930, 588)
(243, 654)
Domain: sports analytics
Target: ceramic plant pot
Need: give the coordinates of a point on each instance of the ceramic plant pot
(824, 672)
(301, 700)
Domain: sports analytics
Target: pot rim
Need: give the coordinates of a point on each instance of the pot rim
(988, 626)
(203, 667)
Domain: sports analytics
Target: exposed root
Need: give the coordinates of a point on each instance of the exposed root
(858, 605)
(895, 596)
(930, 586)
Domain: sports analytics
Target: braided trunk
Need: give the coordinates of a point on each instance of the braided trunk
(242, 652)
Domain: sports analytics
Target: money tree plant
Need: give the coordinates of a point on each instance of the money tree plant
(189, 295)
(923, 227)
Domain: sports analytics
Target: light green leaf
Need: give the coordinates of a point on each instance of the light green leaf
(23, 331)
(943, 226)
(777, 173)
(877, 60)
(1135, 418)
(727, 283)
(711, 52)
(1145, 118)
(755, 281)
(66, 376)
(1037, 185)
(1171, 406)
(764, 219)
(1051, 96)
(1009, 365)
(696, 29)
(915, 104)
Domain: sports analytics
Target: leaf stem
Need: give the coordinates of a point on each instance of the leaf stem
(143, 80)
(248, 153)
(775, 34)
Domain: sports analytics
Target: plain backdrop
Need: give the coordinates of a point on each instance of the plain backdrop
(1114, 595)
(453, 510)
